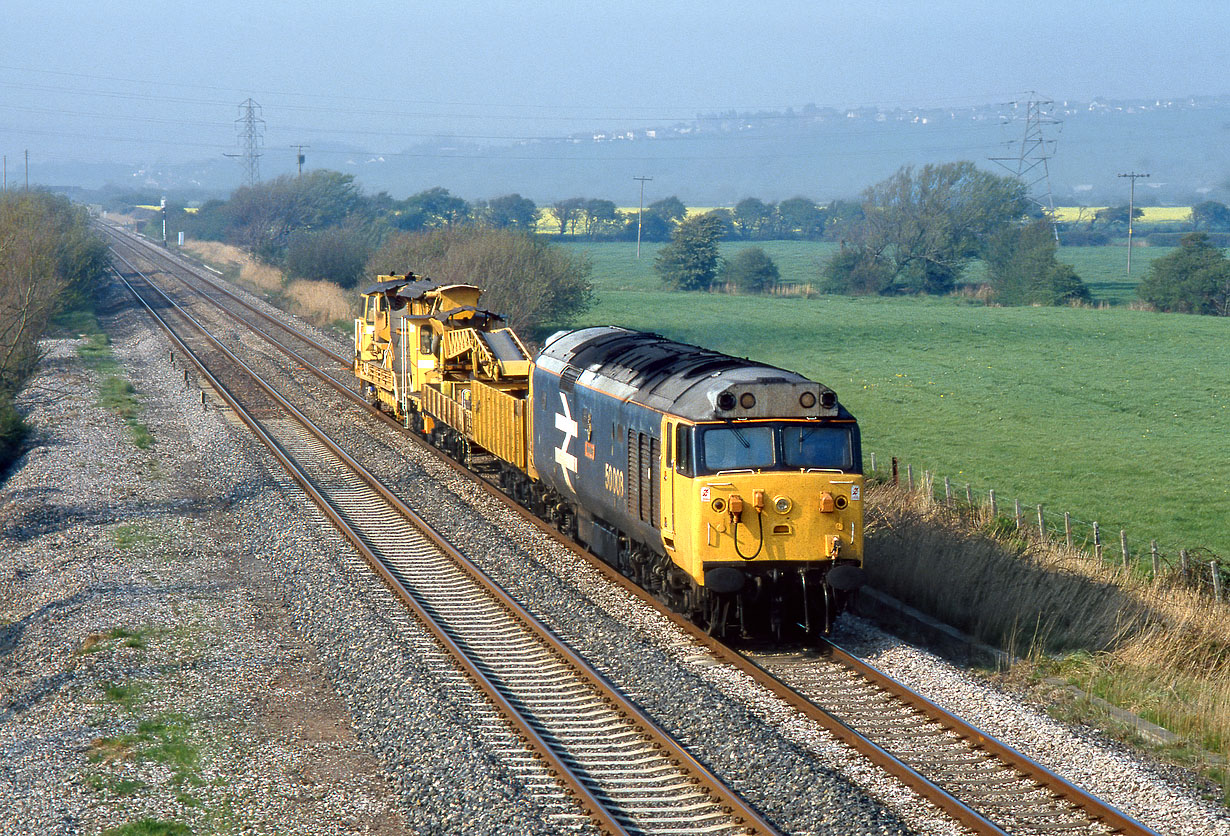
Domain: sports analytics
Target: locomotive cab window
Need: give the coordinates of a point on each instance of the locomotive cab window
(683, 450)
(425, 339)
(818, 446)
(738, 447)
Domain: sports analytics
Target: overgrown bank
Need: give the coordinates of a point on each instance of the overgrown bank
(1158, 649)
(49, 260)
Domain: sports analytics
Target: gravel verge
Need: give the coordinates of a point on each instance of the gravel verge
(182, 640)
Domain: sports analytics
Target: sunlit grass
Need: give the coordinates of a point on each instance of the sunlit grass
(1113, 415)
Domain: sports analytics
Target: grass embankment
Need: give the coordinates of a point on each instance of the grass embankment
(1158, 649)
(322, 303)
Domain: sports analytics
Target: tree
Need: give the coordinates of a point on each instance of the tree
(842, 219)
(924, 227)
(48, 256)
(669, 209)
(511, 211)
(600, 218)
(753, 217)
(1212, 216)
(334, 254)
(1195, 278)
(436, 207)
(1116, 216)
(568, 212)
(653, 228)
(751, 271)
(800, 218)
(690, 260)
(534, 284)
(855, 271)
(1023, 269)
(263, 217)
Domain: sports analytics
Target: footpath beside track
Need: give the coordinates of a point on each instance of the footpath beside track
(985, 786)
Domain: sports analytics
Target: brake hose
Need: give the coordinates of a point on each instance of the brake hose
(759, 546)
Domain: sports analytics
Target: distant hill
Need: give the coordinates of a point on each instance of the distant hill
(822, 153)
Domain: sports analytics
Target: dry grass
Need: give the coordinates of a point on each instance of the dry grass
(322, 303)
(238, 265)
(1160, 650)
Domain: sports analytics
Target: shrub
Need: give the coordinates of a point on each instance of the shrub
(1193, 279)
(534, 284)
(751, 271)
(690, 261)
(335, 255)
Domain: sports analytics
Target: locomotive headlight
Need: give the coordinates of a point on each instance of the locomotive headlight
(807, 400)
(782, 505)
(747, 400)
(726, 401)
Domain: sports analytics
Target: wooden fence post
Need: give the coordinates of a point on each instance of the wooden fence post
(969, 495)
(1067, 528)
(1185, 568)
(1153, 554)
(873, 462)
(1216, 580)
(1041, 525)
(994, 510)
(894, 470)
(1123, 547)
(1020, 522)
(909, 477)
(1097, 541)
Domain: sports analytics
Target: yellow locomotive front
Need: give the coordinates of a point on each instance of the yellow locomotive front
(769, 512)
(731, 489)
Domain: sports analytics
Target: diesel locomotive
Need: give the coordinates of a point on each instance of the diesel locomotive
(730, 489)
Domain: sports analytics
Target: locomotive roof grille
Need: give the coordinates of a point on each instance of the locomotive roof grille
(684, 379)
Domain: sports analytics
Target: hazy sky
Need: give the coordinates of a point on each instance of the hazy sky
(141, 81)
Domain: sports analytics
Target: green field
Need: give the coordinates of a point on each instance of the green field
(1115, 415)
(1104, 269)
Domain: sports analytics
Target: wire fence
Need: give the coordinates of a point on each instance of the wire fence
(1197, 567)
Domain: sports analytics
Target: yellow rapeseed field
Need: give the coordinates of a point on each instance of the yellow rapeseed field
(1152, 214)
(547, 223)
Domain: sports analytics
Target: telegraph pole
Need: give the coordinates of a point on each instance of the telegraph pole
(640, 209)
(299, 158)
(27, 169)
(1132, 177)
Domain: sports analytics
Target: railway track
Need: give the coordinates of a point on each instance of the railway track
(579, 736)
(981, 783)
